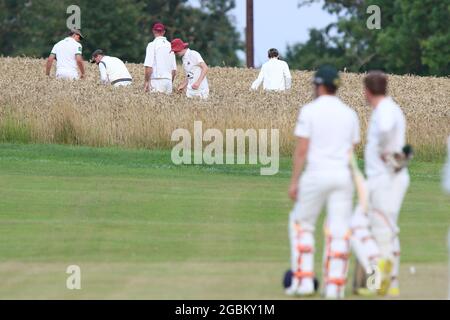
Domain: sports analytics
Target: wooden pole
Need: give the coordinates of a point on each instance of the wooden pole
(249, 36)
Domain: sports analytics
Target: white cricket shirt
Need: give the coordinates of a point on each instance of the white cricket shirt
(191, 65)
(446, 176)
(112, 69)
(386, 134)
(65, 52)
(332, 128)
(274, 75)
(160, 57)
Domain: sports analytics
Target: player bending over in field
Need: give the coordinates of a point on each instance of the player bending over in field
(274, 74)
(196, 83)
(112, 70)
(67, 54)
(327, 131)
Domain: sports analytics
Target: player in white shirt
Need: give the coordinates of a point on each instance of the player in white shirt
(112, 70)
(446, 176)
(160, 63)
(386, 158)
(67, 54)
(274, 74)
(327, 130)
(196, 83)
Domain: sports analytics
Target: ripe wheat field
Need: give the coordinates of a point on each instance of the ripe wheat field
(37, 109)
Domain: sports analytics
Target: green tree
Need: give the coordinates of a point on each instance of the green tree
(414, 37)
(122, 27)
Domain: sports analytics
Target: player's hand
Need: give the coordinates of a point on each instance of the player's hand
(293, 191)
(147, 86)
(180, 88)
(196, 85)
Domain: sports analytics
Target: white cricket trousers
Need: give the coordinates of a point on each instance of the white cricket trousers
(202, 92)
(317, 189)
(67, 75)
(161, 86)
(123, 84)
(386, 193)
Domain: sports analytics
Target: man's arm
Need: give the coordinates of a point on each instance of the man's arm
(80, 64)
(49, 65)
(174, 66)
(174, 74)
(298, 163)
(148, 76)
(103, 74)
(183, 85)
(259, 80)
(202, 76)
(287, 76)
(148, 64)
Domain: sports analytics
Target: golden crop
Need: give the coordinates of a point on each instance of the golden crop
(45, 110)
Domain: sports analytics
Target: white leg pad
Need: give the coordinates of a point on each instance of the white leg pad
(362, 241)
(302, 255)
(336, 266)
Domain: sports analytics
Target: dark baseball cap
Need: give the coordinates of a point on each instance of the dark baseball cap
(95, 54)
(327, 75)
(76, 31)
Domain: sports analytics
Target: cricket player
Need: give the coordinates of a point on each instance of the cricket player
(160, 63)
(196, 83)
(386, 158)
(67, 54)
(112, 70)
(274, 74)
(327, 131)
(446, 185)
(446, 177)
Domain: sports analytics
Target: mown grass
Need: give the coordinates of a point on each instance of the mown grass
(136, 224)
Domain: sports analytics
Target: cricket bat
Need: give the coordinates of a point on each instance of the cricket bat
(360, 183)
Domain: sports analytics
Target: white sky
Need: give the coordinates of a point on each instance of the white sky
(278, 23)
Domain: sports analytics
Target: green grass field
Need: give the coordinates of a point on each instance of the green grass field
(142, 228)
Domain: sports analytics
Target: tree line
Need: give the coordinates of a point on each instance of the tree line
(121, 27)
(414, 37)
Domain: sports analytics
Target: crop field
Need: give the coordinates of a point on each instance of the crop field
(34, 108)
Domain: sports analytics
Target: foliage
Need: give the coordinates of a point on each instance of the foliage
(414, 38)
(122, 27)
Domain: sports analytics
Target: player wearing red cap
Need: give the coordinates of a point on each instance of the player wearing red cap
(160, 63)
(195, 84)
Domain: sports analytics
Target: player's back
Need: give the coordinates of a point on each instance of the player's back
(163, 60)
(274, 74)
(115, 68)
(387, 127)
(65, 52)
(332, 129)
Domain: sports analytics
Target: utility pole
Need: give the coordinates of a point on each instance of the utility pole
(249, 39)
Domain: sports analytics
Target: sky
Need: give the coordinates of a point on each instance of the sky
(278, 23)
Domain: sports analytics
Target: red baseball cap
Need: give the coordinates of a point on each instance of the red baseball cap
(158, 26)
(178, 45)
